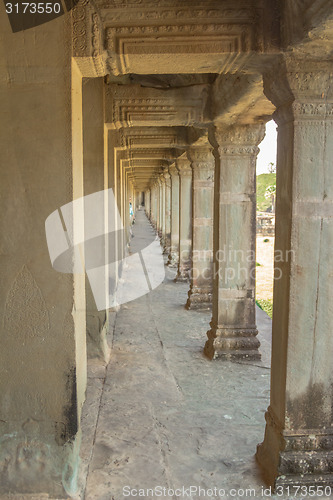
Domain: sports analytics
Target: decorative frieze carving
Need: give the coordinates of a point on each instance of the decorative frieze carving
(132, 49)
(240, 135)
(298, 79)
(148, 137)
(316, 110)
(132, 105)
(87, 32)
(201, 157)
(80, 28)
(153, 14)
(300, 89)
(240, 140)
(152, 31)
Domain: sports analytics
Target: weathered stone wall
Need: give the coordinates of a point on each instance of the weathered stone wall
(42, 355)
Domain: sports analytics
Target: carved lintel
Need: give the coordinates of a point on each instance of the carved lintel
(133, 106)
(130, 47)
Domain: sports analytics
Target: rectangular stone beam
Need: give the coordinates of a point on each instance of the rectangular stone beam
(189, 37)
(133, 106)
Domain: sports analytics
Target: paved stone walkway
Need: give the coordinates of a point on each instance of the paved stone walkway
(168, 417)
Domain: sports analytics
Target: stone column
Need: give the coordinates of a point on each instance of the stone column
(185, 217)
(147, 202)
(152, 202)
(173, 258)
(166, 248)
(298, 443)
(94, 178)
(233, 327)
(162, 209)
(156, 205)
(203, 166)
(159, 207)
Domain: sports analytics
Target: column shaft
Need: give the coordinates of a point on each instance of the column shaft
(233, 326)
(162, 209)
(94, 174)
(173, 258)
(203, 165)
(298, 444)
(185, 218)
(166, 248)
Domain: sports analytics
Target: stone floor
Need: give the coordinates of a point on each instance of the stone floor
(161, 414)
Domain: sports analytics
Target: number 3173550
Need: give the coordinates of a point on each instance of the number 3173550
(33, 8)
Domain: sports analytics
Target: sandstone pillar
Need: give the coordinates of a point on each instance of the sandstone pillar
(233, 326)
(95, 177)
(166, 248)
(154, 214)
(174, 219)
(162, 209)
(185, 217)
(159, 207)
(147, 202)
(298, 444)
(201, 278)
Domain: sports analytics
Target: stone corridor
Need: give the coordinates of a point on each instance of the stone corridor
(158, 107)
(166, 415)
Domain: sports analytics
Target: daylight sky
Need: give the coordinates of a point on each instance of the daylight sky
(267, 149)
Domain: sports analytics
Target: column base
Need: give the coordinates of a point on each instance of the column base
(173, 259)
(166, 250)
(182, 276)
(199, 298)
(232, 344)
(302, 459)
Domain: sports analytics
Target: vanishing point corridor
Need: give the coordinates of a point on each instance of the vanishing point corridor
(166, 416)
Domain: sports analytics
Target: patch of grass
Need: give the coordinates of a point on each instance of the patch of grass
(257, 264)
(266, 305)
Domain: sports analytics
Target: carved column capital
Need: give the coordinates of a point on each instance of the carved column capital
(240, 139)
(184, 166)
(201, 157)
(300, 89)
(173, 170)
(167, 177)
